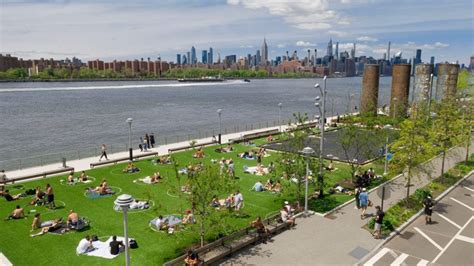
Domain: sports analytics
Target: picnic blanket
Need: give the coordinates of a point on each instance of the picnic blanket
(146, 180)
(102, 249)
(91, 194)
(171, 219)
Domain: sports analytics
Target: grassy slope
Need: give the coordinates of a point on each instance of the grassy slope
(155, 247)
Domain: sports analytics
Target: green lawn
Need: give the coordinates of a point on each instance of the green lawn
(154, 247)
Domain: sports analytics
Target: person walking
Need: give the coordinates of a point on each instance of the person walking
(364, 202)
(3, 178)
(356, 194)
(140, 144)
(152, 140)
(428, 205)
(378, 223)
(145, 145)
(103, 149)
(147, 139)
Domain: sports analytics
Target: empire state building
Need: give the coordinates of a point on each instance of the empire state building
(264, 52)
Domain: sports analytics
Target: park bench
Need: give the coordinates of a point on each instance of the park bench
(302, 126)
(214, 252)
(255, 135)
(182, 148)
(122, 159)
(42, 174)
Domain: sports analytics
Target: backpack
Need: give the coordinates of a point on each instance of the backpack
(133, 244)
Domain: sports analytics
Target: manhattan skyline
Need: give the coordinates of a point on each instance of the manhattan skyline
(106, 30)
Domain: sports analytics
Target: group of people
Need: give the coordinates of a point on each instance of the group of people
(86, 245)
(153, 179)
(102, 189)
(234, 201)
(270, 185)
(43, 197)
(147, 142)
(71, 180)
(131, 168)
(72, 222)
(366, 178)
(227, 167)
(170, 223)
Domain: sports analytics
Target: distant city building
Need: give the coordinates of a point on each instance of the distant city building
(178, 59)
(258, 58)
(204, 57)
(264, 54)
(230, 60)
(329, 48)
(189, 59)
(193, 56)
(337, 50)
(210, 56)
(432, 60)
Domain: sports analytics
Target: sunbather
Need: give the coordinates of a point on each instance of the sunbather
(83, 177)
(130, 168)
(8, 197)
(39, 197)
(139, 204)
(161, 223)
(199, 154)
(72, 218)
(17, 213)
(269, 184)
(54, 226)
(189, 218)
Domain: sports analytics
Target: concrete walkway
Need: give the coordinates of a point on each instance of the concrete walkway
(339, 237)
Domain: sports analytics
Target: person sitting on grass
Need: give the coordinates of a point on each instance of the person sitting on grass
(262, 231)
(36, 224)
(116, 246)
(161, 223)
(192, 259)
(287, 218)
(85, 246)
(269, 138)
(215, 202)
(70, 178)
(229, 201)
(238, 201)
(199, 154)
(330, 167)
(39, 197)
(277, 187)
(56, 224)
(130, 168)
(188, 218)
(165, 159)
(258, 187)
(17, 213)
(249, 155)
(83, 177)
(72, 218)
(8, 197)
(269, 184)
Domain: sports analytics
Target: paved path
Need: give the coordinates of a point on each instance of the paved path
(449, 240)
(338, 238)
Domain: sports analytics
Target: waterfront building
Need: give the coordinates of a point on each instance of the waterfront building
(329, 49)
(193, 56)
(432, 60)
(204, 57)
(190, 60)
(337, 50)
(264, 58)
(210, 56)
(178, 59)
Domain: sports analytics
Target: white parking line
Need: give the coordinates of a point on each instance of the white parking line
(452, 240)
(422, 263)
(465, 238)
(463, 204)
(428, 238)
(377, 256)
(468, 188)
(449, 221)
(399, 260)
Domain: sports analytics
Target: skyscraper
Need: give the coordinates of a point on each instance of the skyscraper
(329, 50)
(388, 52)
(210, 56)
(353, 51)
(432, 60)
(193, 56)
(178, 59)
(189, 58)
(418, 57)
(204, 57)
(337, 50)
(264, 54)
(258, 57)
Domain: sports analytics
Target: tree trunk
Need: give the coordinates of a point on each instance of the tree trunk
(408, 185)
(202, 231)
(442, 163)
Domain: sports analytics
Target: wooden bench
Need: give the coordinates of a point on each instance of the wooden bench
(255, 135)
(42, 174)
(115, 161)
(226, 246)
(182, 148)
(302, 126)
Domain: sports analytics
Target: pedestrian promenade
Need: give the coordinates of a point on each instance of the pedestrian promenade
(339, 237)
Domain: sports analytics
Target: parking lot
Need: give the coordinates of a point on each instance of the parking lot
(449, 240)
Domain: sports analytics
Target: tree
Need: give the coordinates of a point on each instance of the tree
(204, 184)
(413, 147)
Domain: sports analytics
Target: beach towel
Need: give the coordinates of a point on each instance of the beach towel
(102, 249)
(253, 170)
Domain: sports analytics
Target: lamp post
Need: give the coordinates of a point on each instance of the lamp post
(279, 115)
(124, 202)
(322, 112)
(219, 112)
(395, 101)
(430, 95)
(130, 149)
(308, 151)
(386, 127)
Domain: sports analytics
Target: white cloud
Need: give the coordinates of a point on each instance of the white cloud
(304, 44)
(281, 45)
(246, 46)
(339, 34)
(302, 14)
(367, 39)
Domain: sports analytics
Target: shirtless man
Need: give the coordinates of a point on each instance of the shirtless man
(17, 213)
(72, 218)
(50, 196)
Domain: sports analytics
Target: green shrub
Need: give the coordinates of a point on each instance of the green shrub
(422, 193)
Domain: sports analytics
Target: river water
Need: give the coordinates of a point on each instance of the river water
(40, 119)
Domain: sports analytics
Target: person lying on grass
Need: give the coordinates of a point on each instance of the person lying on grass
(17, 213)
(101, 190)
(227, 149)
(277, 187)
(165, 159)
(155, 178)
(54, 226)
(130, 168)
(139, 205)
(8, 197)
(249, 155)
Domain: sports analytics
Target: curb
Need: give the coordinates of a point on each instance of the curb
(409, 221)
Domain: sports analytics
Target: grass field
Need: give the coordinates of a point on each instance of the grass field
(154, 247)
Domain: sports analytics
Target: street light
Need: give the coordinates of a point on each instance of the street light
(279, 115)
(308, 151)
(124, 201)
(322, 112)
(395, 99)
(430, 94)
(130, 149)
(386, 127)
(219, 112)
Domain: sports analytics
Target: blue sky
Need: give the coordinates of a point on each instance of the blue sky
(134, 29)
